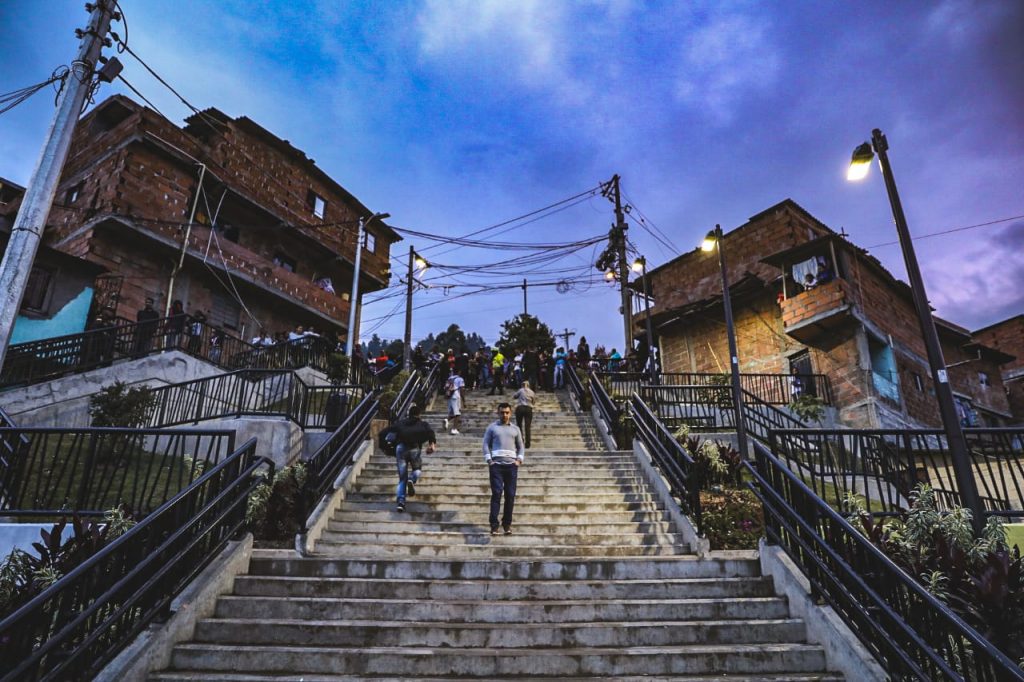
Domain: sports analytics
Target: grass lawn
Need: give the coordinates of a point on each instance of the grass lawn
(1015, 535)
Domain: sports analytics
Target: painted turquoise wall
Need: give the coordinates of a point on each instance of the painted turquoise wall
(70, 319)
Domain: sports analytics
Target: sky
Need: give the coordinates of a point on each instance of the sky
(455, 115)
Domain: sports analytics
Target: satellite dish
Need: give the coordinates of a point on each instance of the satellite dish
(563, 287)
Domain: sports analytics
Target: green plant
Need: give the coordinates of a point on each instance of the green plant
(808, 408)
(337, 368)
(715, 463)
(721, 396)
(731, 518)
(121, 405)
(979, 578)
(275, 508)
(391, 391)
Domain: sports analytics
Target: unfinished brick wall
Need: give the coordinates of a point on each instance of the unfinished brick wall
(815, 303)
(1008, 337)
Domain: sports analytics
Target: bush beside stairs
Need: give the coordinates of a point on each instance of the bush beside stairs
(594, 583)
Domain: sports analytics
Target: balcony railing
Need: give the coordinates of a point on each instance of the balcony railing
(774, 389)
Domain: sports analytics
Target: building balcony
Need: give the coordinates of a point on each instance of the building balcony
(253, 268)
(813, 313)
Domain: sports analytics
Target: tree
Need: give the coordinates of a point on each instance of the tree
(428, 343)
(453, 338)
(523, 331)
(374, 346)
(474, 342)
(395, 349)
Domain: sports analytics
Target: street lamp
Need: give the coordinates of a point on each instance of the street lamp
(861, 160)
(714, 238)
(354, 299)
(640, 265)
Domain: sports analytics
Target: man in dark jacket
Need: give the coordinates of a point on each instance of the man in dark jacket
(409, 435)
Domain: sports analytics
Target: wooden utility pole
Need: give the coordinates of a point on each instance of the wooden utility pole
(27, 231)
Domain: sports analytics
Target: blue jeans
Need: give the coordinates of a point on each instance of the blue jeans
(503, 480)
(559, 376)
(406, 458)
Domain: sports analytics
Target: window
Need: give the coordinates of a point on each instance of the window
(918, 382)
(73, 194)
(317, 204)
(37, 290)
(225, 311)
(965, 410)
(284, 261)
(883, 369)
(983, 379)
(371, 242)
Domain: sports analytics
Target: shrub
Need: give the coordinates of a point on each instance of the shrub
(119, 405)
(337, 368)
(808, 408)
(731, 518)
(716, 463)
(391, 391)
(275, 509)
(979, 578)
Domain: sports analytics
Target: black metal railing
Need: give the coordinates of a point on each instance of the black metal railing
(671, 458)
(579, 395)
(324, 465)
(761, 418)
(46, 359)
(607, 409)
(432, 383)
(252, 392)
(912, 634)
(88, 471)
(408, 394)
(882, 467)
(700, 408)
(773, 389)
(80, 622)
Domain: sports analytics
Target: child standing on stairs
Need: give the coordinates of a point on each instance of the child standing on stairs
(411, 433)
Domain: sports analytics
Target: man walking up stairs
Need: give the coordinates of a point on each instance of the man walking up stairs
(595, 583)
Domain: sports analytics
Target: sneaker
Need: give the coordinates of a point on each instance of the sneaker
(446, 423)
(400, 507)
(508, 531)
(494, 531)
(454, 432)
(410, 488)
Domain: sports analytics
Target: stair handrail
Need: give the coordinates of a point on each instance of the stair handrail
(906, 628)
(576, 390)
(325, 465)
(431, 384)
(760, 417)
(406, 396)
(609, 412)
(674, 461)
(81, 621)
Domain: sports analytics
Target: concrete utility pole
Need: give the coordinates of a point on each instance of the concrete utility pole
(524, 298)
(620, 234)
(353, 303)
(27, 232)
(407, 350)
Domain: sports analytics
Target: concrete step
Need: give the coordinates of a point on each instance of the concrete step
(285, 563)
(481, 536)
(429, 495)
(369, 588)
(184, 676)
(610, 662)
(506, 611)
(384, 512)
(495, 550)
(443, 633)
(526, 486)
(418, 505)
(406, 525)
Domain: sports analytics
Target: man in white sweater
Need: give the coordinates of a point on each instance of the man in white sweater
(503, 452)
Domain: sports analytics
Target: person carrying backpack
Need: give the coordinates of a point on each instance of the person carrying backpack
(407, 436)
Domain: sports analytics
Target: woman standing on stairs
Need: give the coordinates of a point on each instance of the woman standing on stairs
(525, 400)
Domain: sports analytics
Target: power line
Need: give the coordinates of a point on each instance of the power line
(9, 100)
(950, 231)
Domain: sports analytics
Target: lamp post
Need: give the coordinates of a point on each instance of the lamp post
(640, 265)
(860, 164)
(354, 298)
(713, 239)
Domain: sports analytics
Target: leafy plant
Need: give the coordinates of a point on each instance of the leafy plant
(979, 578)
(716, 463)
(121, 405)
(808, 408)
(523, 331)
(731, 518)
(337, 368)
(275, 507)
(391, 391)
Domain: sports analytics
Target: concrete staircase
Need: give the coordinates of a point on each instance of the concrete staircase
(594, 583)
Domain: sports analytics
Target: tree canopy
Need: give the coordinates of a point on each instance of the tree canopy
(523, 331)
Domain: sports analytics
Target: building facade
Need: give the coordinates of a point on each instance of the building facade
(805, 297)
(220, 214)
(1008, 337)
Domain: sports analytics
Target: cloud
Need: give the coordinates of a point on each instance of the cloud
(980, 285)
(723, 62)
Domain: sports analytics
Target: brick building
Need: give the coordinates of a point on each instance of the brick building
(804, 296)
(1008, 337)
(272, 242)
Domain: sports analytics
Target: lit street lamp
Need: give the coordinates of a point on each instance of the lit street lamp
(860, 164)
(714, 238)
(640, 265)
(353, 301)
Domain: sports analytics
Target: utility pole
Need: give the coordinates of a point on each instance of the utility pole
(620, 238)
(27, 231)
(353, 301)
(524, 297)
(407, 350)
(566, 335)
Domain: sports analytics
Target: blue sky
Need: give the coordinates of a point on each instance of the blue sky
(454, 115)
